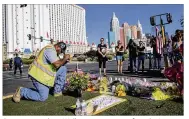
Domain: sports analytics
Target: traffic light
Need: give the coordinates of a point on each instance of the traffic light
(152, 21)
(41, 38)
(29, 36)
(169, 18)
(23, 5)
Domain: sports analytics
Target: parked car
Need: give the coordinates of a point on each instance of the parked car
(5, 67)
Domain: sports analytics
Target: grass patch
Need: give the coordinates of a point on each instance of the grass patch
(61, 106)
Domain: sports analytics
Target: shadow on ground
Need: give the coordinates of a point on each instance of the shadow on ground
(140, 74)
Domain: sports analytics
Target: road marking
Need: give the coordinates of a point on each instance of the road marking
(8, 96)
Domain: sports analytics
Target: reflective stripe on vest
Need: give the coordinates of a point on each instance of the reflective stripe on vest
(44, 69)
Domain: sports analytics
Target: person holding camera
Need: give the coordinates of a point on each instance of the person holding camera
(119, 56)
(46, 71)
(132, 47)
(177, 45)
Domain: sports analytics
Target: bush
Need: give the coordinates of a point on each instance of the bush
(126, 56)
(81, 58)
(32, 57)
(91, 54)
(89, 59)
(24, 60)
(111, 53)
(74, 59)
(110, 57)
(6, 61)
(27, 61)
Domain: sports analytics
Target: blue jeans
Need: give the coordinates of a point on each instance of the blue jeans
(141, 58)
(157, 60)
(119, 57)
(133, 60)
(171, 58)
(42, 91)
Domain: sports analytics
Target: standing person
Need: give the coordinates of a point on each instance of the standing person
(10, 64)
(102, 49)
(17, 64)
(141, 55)
(119, 56)
(177, 43)
(46, 71)
(132, 46)
(170, 52)
(156, 55)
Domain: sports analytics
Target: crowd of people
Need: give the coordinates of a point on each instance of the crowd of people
(48, 70)
(134, 52)
(171, 51)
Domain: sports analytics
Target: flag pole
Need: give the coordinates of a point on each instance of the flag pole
(164, 43)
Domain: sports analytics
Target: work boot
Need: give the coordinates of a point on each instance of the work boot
(17, 96)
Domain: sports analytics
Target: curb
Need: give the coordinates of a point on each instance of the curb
(82, 62)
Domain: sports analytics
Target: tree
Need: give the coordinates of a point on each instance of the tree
(91, 54)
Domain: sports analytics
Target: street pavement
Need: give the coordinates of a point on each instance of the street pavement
(11, 81)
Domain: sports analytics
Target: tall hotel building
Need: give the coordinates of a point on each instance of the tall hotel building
(139, 31)
(111, 38)
(122, 38)
(134, 32)
(127, 33)
(114, 27)
(63, 22)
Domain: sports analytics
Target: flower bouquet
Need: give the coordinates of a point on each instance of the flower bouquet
(176, 74)
(77, 82)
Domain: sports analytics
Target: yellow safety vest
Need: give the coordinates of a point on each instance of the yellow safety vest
(44, 73)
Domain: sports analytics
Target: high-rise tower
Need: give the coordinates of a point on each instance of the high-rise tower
(114, 26)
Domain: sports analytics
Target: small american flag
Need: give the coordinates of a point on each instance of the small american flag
(159, 45)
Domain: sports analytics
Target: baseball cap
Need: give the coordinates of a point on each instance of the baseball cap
(62, 45)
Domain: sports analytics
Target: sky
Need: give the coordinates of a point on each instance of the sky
(98, 17)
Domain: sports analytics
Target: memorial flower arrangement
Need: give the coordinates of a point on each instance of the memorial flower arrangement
(176, 74)
(78, 80)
